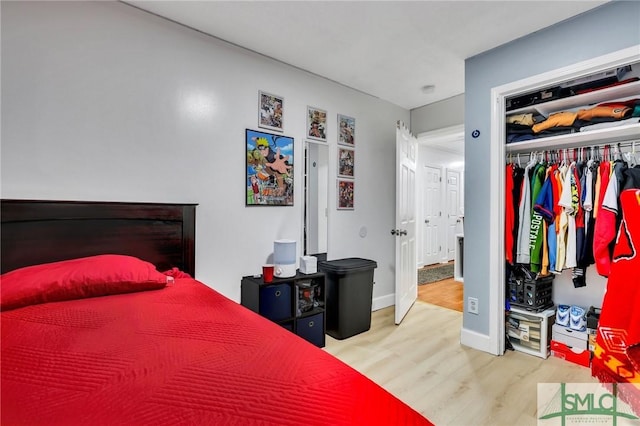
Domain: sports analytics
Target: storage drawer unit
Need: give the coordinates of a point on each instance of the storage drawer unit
(296, 303)
(530, 332)
(572, 338)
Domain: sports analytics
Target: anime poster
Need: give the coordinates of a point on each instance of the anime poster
(345, 194)
(271, 111)
(346, 161)
(269, 180)
(316, 124)
(346, 130)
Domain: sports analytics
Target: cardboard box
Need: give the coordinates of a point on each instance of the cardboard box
(572, 338)
(577, 356)
(592, 338)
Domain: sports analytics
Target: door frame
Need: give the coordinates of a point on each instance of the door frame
(447, 256)
(437, 139)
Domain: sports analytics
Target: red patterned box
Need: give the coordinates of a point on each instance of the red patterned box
(577, 356)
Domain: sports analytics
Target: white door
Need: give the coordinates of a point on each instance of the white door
(453, 211)
(431, 246)
(405, 226)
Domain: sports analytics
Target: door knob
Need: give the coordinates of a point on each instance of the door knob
(402, 232)
(426, 221)
(394, 232)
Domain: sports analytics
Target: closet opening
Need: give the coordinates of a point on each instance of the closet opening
(495, 341)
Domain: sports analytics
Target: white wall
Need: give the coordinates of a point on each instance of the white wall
(445, 113)
(102, 101)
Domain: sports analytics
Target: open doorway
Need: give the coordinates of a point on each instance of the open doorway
(440, 221)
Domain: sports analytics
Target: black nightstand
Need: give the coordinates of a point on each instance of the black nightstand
(296, 303)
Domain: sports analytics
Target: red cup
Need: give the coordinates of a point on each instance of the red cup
(267, 273)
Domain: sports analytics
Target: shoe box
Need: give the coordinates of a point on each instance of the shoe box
(570, 345)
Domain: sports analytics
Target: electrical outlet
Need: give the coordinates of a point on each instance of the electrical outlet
(472, 305)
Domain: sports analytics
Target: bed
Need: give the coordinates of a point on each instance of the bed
(109, 350)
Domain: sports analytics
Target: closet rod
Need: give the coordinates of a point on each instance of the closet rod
(635, 145)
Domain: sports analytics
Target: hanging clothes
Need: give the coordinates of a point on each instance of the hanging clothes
(589, 218)
(565, 222)
(523, 254)
(537, 226)
(564, 215)
(607, 223)
(544, 206)
(509, 218)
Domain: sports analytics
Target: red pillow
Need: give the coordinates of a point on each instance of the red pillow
(77, 278)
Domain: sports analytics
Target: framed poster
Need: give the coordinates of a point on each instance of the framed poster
(346, 130)
(269, 161)
(346, 161)
(316, 124)
(345, 194)
(270, 111)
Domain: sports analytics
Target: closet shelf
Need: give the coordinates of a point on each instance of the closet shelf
(627, 132)
(622, 92)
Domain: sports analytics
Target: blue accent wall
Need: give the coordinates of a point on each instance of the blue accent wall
(609, 28)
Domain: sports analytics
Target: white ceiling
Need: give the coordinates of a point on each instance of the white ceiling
(387, 49)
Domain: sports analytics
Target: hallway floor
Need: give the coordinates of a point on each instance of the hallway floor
(446, 293)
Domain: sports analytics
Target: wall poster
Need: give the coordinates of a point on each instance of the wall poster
(269, 165)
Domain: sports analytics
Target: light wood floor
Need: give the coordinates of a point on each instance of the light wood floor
(422, 362)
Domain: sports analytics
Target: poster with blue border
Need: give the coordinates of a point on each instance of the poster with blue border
(269, 179)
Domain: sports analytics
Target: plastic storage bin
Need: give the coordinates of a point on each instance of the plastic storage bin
(349, 287)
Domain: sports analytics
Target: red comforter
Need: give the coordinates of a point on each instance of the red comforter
(181, 355)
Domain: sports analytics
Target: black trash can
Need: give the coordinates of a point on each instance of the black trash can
(349, 286)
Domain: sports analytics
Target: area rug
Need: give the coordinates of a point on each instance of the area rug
(435, 273)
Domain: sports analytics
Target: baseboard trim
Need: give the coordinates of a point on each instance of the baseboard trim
(383, 302)
(475, 340)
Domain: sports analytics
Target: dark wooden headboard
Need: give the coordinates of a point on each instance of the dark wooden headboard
(38, 231)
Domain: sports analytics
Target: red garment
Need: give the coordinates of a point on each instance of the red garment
(617, 352)
(556, 186)
(509, 219)
(605, 172)
(604, 233)
(605, 227)
(579, 211)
